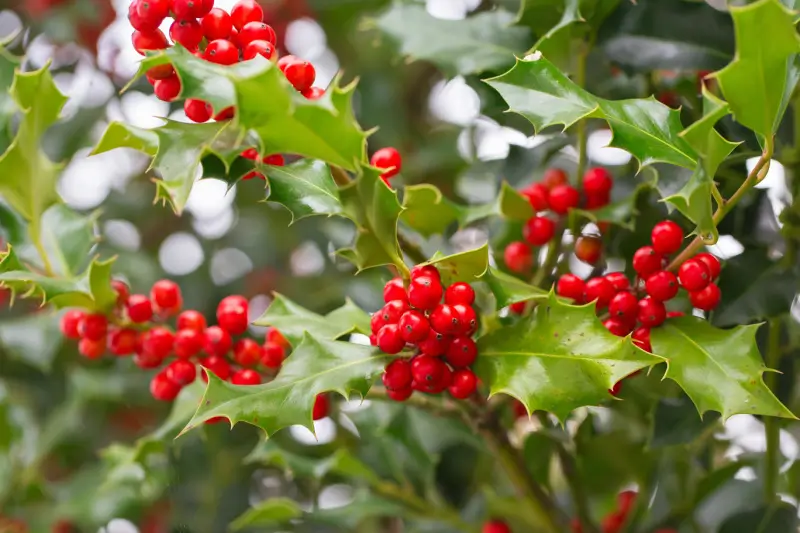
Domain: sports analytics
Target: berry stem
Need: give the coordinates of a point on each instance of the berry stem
(581, 127)
(771, 423)
(753, 178)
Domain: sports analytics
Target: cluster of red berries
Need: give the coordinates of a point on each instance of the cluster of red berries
(496, 526)
(138, 326)
(614, 521)
(439, 333)
(215, 35)
(614, 292)
(556, 195)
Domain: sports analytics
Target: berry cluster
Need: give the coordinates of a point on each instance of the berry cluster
(439, 333)
(614, 521)
(138, 326)
(555, 194)
(496, 526)
(643, 302)
(215, 35)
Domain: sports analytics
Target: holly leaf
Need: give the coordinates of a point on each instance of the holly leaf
(509, 290)
(485, 41)
(720, 370)
(754, 82)
(674, 423)
(27, 176)
(557, 359)
(646, 128)
(305, 188)
(68, 238)
(374, 208)
(510, 205)
(33, 339)
(293, 320)
(464, 266)
(316, 366)
(275, 511)
(177, 149)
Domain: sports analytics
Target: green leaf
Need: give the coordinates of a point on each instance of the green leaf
(27, 176)
(485, 41)
(465, 266)
(754, 288)
(510, 205)
(68, 238)
(34, 339)
(509, 290)
(293, 321)
(538, 451)
(305, 188)
(675, 423)
(373, 207)
(558, 359)
(275, 511)
(646, 128)
(780, 518)
(177, 149)
(753, 83)
(315, 366)
(720, 370)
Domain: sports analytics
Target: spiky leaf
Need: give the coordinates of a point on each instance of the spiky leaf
(315, 366)
(720, 370)
(509, 290)
(557, 359)
(305, 188)
(464, 266)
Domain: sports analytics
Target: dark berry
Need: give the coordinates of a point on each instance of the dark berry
(662, 285)
(539, 230)
(707, 298)
(461, 352)
(463, 384)
(667, 237)
(652, 312)
(518, 257)
(459, 293)
(589, 249)
(181, 372)
(571, 286)
(647, 261)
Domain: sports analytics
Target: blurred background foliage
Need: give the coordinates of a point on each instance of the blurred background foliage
(82, 443)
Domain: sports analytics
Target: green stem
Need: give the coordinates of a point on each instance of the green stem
(35, 235)
(543, 274)
(582, 126)
(756, 175)
(771, 423)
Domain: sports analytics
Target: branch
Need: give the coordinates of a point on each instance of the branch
(753, 178)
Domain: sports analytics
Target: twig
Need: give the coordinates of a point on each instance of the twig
(580, 79)
(441, 407)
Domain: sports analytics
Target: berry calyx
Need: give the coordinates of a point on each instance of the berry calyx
(707, 298)
(571, 286)
(662, 285)
(518, 257)
(667, 237)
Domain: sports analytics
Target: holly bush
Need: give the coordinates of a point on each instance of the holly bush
(520, 265)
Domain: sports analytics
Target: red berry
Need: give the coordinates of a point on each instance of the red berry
(435, 345)
(617, 327)
(122, 290)
(589, 249)
(626, 500)
(139, 308)
(553, 177)
(181, 372)
(394, 290)
(694, 275)
(387, 159)
(315, 93)
(613, 523)
(614, 391)
(256, 31)
(674, 314)
(246, 376)
(518, 257)
(154, 10)
(285, 61)
(221, 52)
(468, 319)
(123, 341)
(619, 280)
(226, 114)
(140, 23)
(276, 160)
(426, 270)
(217, 341)
(647, 261)
(427, 371)
(537, 194)
(461, 352)
(563, 198)
(425, 292)
(445, 320)
(599, 289)
(667, 237)
(246, 11)
(624, 306)
(571, 286)
(159, 72)
(273, 335)
(662, 285)
(496, 526)
(400, 395)
(388, 314)
(217, 25)
(218, 365)
(197, 110)
(459, 293)
(596, 201)
(191, 9)
(167, 90)
(711, 261)
(145, 360)
(272, 355)
(186, 32)
(159, 341)
(151, 40)
(301, 75)
(246, 352)
(166, 295)
(188, 343)
(92, 349)
(397, 375)
(414, 326)
(232, 314)
(652, 312)
(70, 322)
(463, 384)
(641, 338)
(707, 298)
(390, 340)
(93, 327)
(321, 407)
(258, 47)
(539, 230)
(597, 181)
(192, 320)
(164, 389)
